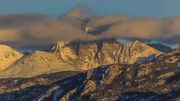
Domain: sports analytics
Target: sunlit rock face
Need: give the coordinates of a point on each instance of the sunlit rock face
(135, 50)
(8, 56)
(66, 50)
(87, 55)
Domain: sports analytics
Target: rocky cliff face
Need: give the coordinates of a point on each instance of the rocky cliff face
(88, 55)
(8, 56)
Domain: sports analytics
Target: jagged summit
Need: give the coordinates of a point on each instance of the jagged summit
(87, 55)
(79, 12)
(137, 43)
(140, 47)
(8, 56)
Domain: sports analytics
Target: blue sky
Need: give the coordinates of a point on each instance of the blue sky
(131, 8)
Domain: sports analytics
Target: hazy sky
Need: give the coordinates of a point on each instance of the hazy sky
(54, 8)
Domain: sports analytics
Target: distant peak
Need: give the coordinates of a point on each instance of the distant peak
(80, 12)
(136, 42)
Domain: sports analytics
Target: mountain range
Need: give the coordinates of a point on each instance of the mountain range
(76, 55)
(88, 55)
(99, 70)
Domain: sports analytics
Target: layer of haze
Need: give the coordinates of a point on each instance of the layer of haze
(37, 29)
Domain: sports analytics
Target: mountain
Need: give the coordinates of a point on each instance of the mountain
(8, 56)
(79, 56)
(157, 80)
(38, 63)
(161, 47)
(27, 50)
(88, 55)
(101, 70)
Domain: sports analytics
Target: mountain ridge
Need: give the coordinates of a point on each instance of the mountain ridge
(79, 56)
(102, 52)
(38, 63)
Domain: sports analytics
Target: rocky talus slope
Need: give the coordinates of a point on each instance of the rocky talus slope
(157, 80)
(88, 55)
(37, 63)
(8, 56)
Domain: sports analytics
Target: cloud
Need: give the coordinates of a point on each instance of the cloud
(58, 30)
(27, 30)
(35, 29)
(8, 35)
(16, 20)
(106, 20)
(165, 30)
(136, 28)
(172, 26)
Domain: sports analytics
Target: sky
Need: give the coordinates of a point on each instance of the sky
(27, 21)
(131, 8)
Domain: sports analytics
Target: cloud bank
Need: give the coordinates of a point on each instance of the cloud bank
(34, 29)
